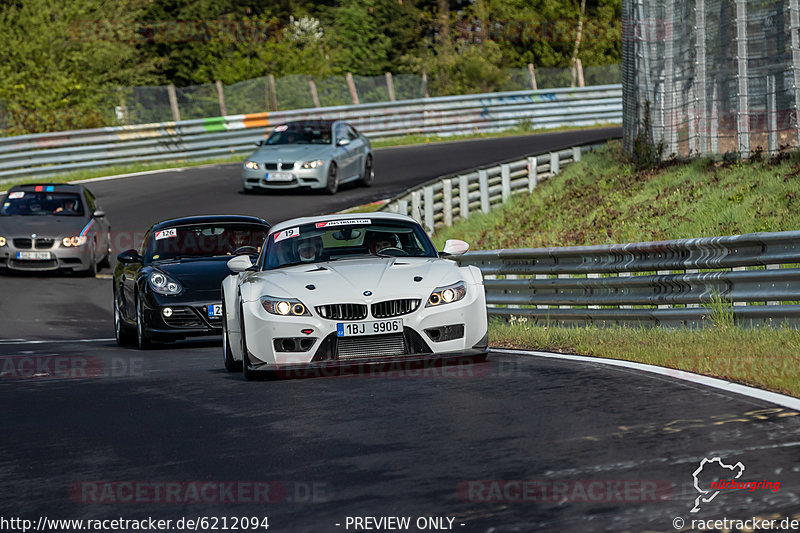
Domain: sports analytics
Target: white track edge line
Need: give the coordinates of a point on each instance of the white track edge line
(728, 386)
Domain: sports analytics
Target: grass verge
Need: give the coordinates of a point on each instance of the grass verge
(767, 358)
(117, 170)
(603, 199)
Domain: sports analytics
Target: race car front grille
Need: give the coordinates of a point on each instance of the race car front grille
(342, 311)
(183, 317)
(283, 166)
(44, 243)
(392, 308)
(23, 244)
(33, 265)
(371, 346)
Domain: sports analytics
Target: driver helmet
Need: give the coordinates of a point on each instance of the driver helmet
(307, 249)
(381, 241)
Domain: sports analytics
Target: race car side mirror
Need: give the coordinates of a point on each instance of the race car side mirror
(240, 263)
(455, 247)
(129, 256)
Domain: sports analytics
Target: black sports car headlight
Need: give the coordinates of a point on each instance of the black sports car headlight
(163, 284)
(446, 295)
(284, 306)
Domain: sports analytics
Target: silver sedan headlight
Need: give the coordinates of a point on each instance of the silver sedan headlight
(251, 165)
(312, 164)
(78, 240)
(2, 241)
(449, 294)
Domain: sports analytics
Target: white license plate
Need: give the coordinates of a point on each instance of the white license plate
(34, 256)
(278, 176)
(377, 327)
(214, 310)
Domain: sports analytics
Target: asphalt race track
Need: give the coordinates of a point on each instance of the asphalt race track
(516, 444)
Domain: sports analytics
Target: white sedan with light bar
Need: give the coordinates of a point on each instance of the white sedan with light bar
(350, 289)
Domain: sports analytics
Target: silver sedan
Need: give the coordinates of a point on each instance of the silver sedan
(316, 154)
(53, 227)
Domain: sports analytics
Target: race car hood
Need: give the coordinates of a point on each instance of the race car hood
(43, 226)
(292, 152)
(197, 274)
(345, 281)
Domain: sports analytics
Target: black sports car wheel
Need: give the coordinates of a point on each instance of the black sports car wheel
(122, 333)
(142, 340)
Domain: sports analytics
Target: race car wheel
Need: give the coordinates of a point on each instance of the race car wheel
(332, 185)
(231, 365)
(92, 270)
(142, 340)
(106, 262)
(122, 333)
(369, 173)
(249, 375)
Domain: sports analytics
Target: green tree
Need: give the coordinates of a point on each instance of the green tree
(62, 63)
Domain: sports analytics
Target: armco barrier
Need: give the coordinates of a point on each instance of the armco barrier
(51, 153)
(684, 283)
(445, 200)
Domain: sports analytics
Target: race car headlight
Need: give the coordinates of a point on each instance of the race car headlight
(313, 164)
(284, 306)
(163, 284)
(449, 294)
(2, 241)
(73, 241)
(251, 165)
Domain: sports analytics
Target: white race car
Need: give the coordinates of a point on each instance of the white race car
(347, 290)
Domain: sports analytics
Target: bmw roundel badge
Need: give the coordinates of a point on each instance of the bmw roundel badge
(367, 293)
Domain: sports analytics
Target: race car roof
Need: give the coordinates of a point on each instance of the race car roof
(48, 187)
(208, 219)
(356, 216)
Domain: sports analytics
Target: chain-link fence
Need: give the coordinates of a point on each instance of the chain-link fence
(711, 76)
(155, 104)
(149, 104)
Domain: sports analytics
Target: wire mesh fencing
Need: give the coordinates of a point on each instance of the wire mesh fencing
(160, 104)
(710, 76)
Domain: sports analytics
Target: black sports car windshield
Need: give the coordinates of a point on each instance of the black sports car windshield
(333, 240)
(26, 203)
(203, 240)
(301, 133)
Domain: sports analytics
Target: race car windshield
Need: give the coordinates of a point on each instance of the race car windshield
(24, 203)
(215, 240)
(301, 133)
(336, 240)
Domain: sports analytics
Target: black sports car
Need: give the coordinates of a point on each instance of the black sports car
(170, 288)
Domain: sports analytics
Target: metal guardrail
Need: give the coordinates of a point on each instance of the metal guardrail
(51, 153)
(679, 283)
(445, 200)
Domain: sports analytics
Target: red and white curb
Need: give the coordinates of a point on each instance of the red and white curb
(727, 386)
